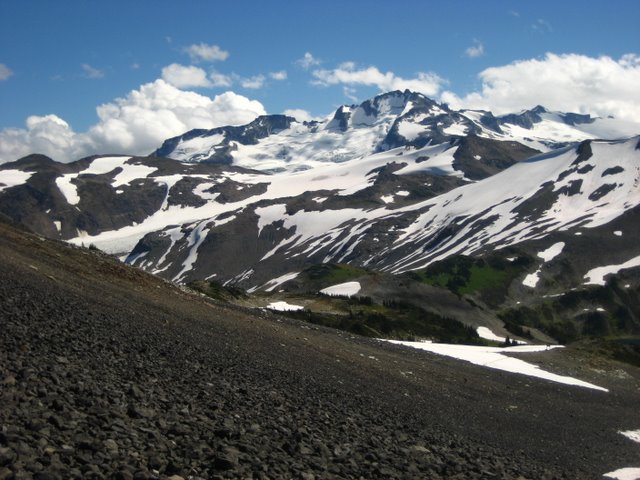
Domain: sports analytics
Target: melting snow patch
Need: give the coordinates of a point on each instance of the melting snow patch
(410, 130)
(101, 166)
(632, 435)
(492, 357)
(552, 252)
(130, 173)
(624, 474)
(284, 307)
(347, 289)
(276, 282)
(387, 198)
(58, 224)
(68, 189)
(487, 334)
(596, 276)
(12, 178)
(617, 233)
(531, 280)
(201, 191)
(402, 193)
(629, 473)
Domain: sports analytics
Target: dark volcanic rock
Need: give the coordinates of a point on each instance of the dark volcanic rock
(480, 158)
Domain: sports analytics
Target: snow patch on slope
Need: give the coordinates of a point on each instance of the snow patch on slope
(347, 289)
(493, 357)
(531, 280)
(13, 178)
(284, 307)
(595, 276)
(100, 166)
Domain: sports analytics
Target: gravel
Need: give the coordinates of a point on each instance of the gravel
(107, 372)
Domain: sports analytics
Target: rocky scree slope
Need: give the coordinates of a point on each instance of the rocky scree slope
(106, 371)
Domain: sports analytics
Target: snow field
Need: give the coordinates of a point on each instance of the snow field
(484, 201)
(493, 357)
(629, 473)
(531, 280)
(313, 230)
(13, 178)
(284, 307)
(347, 289)
(100, 166)
(271, 285)
(596, 276)
(487, 334)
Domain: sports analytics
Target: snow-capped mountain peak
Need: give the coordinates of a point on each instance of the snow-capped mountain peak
(390, 120)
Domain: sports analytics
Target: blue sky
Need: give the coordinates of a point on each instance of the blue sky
(66, 58)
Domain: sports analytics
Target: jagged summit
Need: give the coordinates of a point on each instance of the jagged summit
(387, 121)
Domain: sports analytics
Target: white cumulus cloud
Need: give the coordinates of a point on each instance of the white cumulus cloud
(281, 75)
(91, 72)
(299, 114)
(220, 80)
(5, 72)
(571, 83)
(47, 134)
(182, 76)
(475, 50)
(253, 83)
(348, 74)
(135, 124)
(350, 93)
(206, 53)
(307, 61)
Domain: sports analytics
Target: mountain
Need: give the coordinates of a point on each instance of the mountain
(395, 185)
(388, 121)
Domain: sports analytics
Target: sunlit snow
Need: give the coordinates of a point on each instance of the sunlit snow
(276, 282)
(489, 206)
(492, 204)
(347, 289)
(13, 178)
(596, 276)
(284, 307)
(410, 130)
(493, 357)
(487, 334)
(632, 435)
(531, 280)
(100, 166)
(629, 473)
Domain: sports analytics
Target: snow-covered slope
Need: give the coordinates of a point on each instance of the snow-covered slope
(187, 221)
